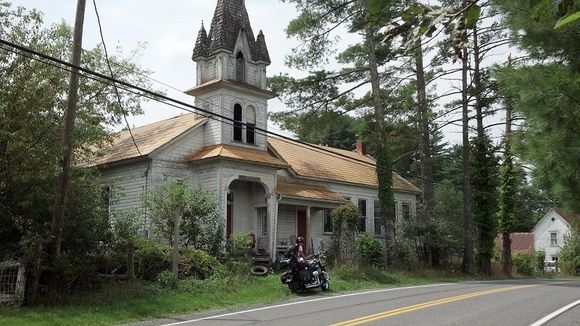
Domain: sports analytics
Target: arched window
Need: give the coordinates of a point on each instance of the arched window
(240, 67)
(250, 125)
(237, 122)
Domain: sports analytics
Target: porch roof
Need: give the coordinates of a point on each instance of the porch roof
(237, 154)
(301, 191)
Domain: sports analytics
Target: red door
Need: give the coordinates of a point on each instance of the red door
(301, 228)
(229, 222)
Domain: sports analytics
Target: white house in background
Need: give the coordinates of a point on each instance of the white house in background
(270, 187)
(551, 231)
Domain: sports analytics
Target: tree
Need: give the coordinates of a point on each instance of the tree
(545, 92)
(32, 101)
(321, 90)
(186, 215)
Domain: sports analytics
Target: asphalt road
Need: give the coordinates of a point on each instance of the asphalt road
(521, 302)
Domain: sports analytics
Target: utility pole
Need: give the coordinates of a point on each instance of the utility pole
(67, 143)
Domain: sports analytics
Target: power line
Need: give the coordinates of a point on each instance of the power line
(178, 102)
(113, 76)
(55, 62)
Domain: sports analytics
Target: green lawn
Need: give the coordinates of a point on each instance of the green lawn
(122, 303)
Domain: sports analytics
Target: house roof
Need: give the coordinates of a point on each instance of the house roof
(308, 192)
(569, 217)
(521, 242)
(338, 165)
(148, 138)
(237, 154)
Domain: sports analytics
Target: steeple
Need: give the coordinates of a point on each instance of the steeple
(230, 18)
(201, 48)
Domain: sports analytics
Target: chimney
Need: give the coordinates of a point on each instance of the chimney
(360, 147)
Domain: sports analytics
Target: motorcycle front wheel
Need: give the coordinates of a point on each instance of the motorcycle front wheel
(296, 287)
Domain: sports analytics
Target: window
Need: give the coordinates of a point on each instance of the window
(328, 227)
(362, 208)
(240, 67)
(406, 211)
(553, 239)
(237, 122)
(378, 218)
(263, 220)
(250, 125)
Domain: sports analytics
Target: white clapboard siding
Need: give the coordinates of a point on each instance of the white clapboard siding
(127, 184)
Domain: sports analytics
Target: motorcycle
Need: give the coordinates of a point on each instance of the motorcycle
(303, 275)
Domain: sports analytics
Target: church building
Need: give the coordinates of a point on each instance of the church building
(268, 186)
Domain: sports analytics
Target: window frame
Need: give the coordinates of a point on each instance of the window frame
(363, 217)
(238, 127)
(554, 239)
(377, 204)
(327, 221)
(408, 213)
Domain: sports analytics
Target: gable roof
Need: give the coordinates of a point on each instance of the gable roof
(237, 154)
(148, 138)
(569, 217)
(345, 167)
(521, 242)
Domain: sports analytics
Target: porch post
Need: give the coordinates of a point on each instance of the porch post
(308, 239)
(273, 219)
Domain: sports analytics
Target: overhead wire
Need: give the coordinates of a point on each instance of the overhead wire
(113, 76)
(140, 91)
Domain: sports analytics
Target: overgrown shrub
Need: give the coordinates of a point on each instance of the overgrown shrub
(539, 258)
(345, 219)
(197, 263)
(240, 244)
(370, 251)
(524, 263)
(151, 258)
(569, 260)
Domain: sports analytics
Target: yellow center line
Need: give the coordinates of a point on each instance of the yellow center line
(398, 311)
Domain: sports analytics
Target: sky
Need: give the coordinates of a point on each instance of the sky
(169, 29)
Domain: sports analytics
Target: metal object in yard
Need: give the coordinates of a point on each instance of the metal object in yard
(12, 283)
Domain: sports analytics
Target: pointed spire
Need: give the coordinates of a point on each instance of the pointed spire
(201, 48)
(230, 17)
(262, 50)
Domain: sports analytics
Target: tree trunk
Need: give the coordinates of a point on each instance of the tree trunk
(506, 254)
(384, 164)
(176, 221)
(467, 264)
(425, 145)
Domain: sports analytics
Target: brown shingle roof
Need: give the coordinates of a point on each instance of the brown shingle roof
(310, 162)
(149, 138)
(237, 154)
(521, 242)
(308, 191)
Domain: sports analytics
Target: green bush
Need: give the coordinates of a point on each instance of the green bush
(370, 251)
(570, 254)
(240, 244)
(523, 263)
(151, 258)
(539, 258)
(197, 263)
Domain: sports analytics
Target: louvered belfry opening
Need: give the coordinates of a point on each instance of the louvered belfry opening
(240, 67)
